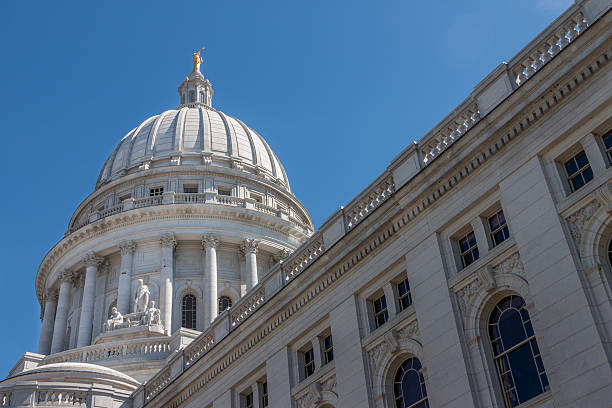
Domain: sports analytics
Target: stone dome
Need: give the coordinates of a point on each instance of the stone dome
(193, 134)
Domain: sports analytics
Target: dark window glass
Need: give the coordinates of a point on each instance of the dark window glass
(409, 385)
(499, 228)
(224, 303)
(469, 249)
(309, 363)
(607, 140)
(188, 320)
(517, 355)
(405, 298)
(225, 192)
(578, 170)
(157, 191)
(328, 349)
(264, 395)
(380, 311)
(248, 400)
(190, 189)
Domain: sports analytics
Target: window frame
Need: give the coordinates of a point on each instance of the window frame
(501, 228)
(156, 191)
(265, 399)
(191, 187)
(308, 365)
(607, 151)
(219, 310)
(327, 352)
(193, 311)
(470, 250)
(580, 171)
(401, 296)
(384, 310)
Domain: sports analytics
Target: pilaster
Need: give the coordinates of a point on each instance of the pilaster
(167, 243)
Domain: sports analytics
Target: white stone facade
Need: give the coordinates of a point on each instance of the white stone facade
(508, 201)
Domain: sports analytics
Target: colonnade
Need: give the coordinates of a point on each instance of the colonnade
(57, 301)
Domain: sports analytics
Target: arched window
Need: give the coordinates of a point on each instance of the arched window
(515, 349)
(224, 303)
(409, 385)
(189, 312)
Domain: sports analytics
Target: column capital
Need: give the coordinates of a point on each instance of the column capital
(281, 255)
(168, 240)
(51, 295)
(92, 259)
(127, 247)
(210, 241)
(249, 245)
(67, 276)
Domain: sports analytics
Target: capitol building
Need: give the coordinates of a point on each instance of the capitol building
(475, 271)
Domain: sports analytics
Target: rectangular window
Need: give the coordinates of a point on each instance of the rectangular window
(405, 298)
(156, 191)
(264, 395)
(190, 188)
(499, 228)
(328, 349)
(248, 400)
(309, 363)
(256, 197)
(607, 141)
(468, 248)
(380, 311)
(224, 191)
(578, 171)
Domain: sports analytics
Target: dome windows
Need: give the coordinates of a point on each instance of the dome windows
(188, 312)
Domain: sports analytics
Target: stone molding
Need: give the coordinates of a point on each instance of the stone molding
(281, 255)
(51, 295)
(315, 393)
(210, 241)
(578, 220)
(604, 195)
(127, 247)
(168, 240)
(92, 259)
(67, 276)
(249, 245)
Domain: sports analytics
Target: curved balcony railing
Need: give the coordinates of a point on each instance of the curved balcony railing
(289, 215)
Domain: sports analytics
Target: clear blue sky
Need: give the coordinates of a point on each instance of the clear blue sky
(337, 88)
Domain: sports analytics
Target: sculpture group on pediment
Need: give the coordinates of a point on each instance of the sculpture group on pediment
(151, 317)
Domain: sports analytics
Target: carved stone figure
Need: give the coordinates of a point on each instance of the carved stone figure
(141, 300)
(114, 320)
(152, 316)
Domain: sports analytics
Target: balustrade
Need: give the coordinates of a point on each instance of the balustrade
(301, 258)
(198, 348)
(247, 306)
(61, 397)
(157, 383)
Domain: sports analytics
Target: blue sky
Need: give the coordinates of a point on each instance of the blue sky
(337, 88)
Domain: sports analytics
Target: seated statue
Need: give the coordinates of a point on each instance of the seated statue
(115, 320)
(152, 315)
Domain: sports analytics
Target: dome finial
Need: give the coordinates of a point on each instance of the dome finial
(197, 60)
(195, 89)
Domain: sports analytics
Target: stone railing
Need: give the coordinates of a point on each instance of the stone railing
(61, 397)
(247, 306)
(192, 198)
(153, 348)
(368, 201)
(410, 162)
(157, 383)
(549, 43)
(198, 348)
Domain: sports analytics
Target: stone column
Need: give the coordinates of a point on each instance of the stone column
(92, 261)
(124, 290)
(210, 244)
(249, 249)
(167, 242)
(46, 331)
(61, 314)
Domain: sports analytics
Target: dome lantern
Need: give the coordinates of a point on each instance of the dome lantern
(195, 90)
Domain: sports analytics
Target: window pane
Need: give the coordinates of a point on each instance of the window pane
(588, 175)
(525, 373)
(581, 160)
(571, 167)
(511, 328)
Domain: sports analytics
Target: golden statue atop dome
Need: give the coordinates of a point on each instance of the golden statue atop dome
(197, 60)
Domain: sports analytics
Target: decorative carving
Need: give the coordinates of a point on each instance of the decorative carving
(282, 255)
(145, 165)
(51, 295)
(249, 245)
(484, 279)
(411, 331)
(210, 241)
(604, 196)
(168, 240)
(314, 393)
(66, 276)
(127, 247)
(206, 158)
(579, 219)
(92, 259)
(141, 300)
